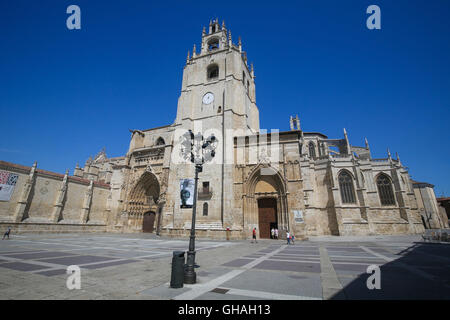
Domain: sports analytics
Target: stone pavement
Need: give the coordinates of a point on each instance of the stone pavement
(138, 266)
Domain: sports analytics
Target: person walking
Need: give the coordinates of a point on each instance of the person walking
(276, 233)
(254, 235)
(292, 238)
(288, 237)
(272, 233)
(8, 231)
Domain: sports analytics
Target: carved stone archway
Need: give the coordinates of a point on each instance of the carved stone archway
(263, 182)
(143, 198)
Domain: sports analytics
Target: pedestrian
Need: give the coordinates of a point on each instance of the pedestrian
(288, 237)
(254, 235)
(292, 238)
(272, 233)
(276, 233)
(8, 231)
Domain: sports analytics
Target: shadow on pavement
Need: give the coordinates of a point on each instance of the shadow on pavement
(420, 272)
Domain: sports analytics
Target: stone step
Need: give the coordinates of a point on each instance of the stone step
(199, 226)
(205, 226)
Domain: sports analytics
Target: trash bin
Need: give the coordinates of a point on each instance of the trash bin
(177, 277)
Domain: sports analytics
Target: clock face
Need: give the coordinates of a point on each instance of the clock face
(208, 98)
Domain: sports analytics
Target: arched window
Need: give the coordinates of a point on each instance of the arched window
(321, 148)
(385, 190)
(213, 71)
(312, 150)
(346, 186)
(213, 44)
(205, 209)
(160, 142)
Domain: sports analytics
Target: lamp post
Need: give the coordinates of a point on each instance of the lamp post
(200, 152)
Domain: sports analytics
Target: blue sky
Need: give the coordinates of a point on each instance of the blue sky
(65, 94)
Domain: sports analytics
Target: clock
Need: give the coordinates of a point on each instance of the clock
(208, 98)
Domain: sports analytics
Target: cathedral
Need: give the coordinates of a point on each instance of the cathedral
(297, 181)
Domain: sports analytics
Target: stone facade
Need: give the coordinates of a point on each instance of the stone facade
(45, 201)
(299, 181)
(444, 210)
(432, 211)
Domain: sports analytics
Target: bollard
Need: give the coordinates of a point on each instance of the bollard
(177, 277)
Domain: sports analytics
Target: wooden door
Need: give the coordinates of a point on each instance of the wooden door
(149, 222)
(267, 216)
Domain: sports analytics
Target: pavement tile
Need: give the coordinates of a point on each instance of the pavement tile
(237, 263)
(40, 255)
(77, 260)
(289, 266)
(218, 296)
(51, 273)
(277, 283)
(109, 264)
(21, 266)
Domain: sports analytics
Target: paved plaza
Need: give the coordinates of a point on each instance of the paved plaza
(138, 266)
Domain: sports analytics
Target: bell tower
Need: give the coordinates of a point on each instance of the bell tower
(218, 85)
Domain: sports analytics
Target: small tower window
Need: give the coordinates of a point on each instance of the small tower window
(312, 150)
(213, 71)
(385, 190)
(346, 186)
(160, 142)
(205, 209)
(206, 187)
(213, 44)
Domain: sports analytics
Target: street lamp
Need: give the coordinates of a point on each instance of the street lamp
(199, 152)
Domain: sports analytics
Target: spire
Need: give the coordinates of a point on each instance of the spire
(223, 25)
(368, 148)
(398, 158)
(347, 142)
(230, 42)
(32, 171)
(240, 44)
(188, 57)
(194, 52)
(297, 121)
(389, 153)
(252, 71)
(204, 32)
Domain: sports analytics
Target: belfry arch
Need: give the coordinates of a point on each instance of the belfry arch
(143, 206)
(265, 201)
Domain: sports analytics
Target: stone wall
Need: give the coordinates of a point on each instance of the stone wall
(44, 201)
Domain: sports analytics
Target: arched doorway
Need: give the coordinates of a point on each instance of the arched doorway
(267, 216)
(265, 201)
(143, 203)
(148, 223)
